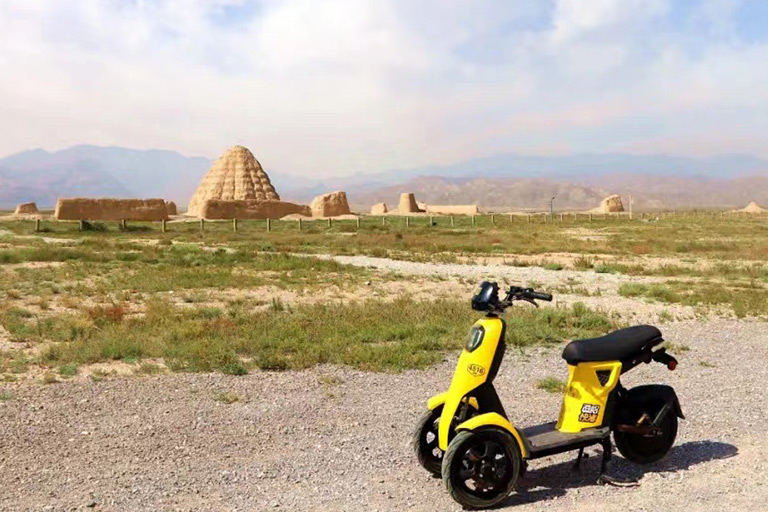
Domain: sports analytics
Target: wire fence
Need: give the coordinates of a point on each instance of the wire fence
(371, 222)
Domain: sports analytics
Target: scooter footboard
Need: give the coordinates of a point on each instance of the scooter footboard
(492, 419)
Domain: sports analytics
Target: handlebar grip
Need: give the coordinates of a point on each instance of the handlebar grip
(541, 296)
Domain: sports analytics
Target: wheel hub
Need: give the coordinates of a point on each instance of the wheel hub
(485, 464)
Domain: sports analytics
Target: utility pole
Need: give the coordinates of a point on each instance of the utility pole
(552, 208)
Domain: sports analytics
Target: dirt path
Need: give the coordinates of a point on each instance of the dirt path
(333, 439)
(596, 290)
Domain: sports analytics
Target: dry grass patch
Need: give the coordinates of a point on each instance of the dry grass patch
(372, 335)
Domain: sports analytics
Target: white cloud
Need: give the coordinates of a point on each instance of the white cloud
(327, 86)
(574, 18)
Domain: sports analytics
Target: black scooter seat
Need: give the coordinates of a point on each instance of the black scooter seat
(619, 345)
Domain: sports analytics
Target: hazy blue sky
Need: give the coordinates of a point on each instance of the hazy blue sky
(335, 86)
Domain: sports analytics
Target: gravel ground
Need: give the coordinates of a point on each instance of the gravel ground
(333, 439)
(603, 287)
(513, 274)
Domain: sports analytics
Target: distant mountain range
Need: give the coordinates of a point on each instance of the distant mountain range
(503, 181)
(92, 171)
(648, 192)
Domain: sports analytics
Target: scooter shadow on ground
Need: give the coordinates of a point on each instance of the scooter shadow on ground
(538, 484)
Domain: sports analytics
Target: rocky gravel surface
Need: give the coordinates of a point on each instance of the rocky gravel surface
(478, 271)
(334, 439)
(602, 288)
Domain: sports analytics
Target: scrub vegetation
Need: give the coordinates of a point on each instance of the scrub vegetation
(371, 335)
(217, 300)
(723, 238)
(551, 385)
(744, 299)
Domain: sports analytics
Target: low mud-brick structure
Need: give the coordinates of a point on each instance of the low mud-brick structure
(330, 205)
(408, 203)
(217, 209)
(82, 208)
(379, 209)
(453, 209)
(26, 209)
(610, 204)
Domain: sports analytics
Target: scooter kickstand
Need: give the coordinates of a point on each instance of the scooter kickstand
(605, 479)
(577, 464)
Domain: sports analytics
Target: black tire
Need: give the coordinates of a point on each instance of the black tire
(646, 449)
(424, 439)
(481, 468)
(424, 442)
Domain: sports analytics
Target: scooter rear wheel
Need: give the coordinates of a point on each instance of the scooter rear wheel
(646, 449)
(481, 468)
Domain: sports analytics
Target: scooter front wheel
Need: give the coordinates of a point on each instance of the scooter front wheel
(481, 468)
(424, 439)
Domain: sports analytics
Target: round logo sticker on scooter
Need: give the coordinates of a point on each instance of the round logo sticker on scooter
(476, 370)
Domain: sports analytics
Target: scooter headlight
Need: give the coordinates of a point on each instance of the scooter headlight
(476, 335)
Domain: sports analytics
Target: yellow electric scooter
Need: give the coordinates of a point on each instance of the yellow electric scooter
(467, 438)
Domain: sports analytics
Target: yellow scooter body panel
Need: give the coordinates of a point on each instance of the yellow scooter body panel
(471, 372)
(438, 400)
(494, 419)
(585, 397)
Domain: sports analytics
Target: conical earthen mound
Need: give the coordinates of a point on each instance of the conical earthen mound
(236, 175)
(753, 207)
(610, 204)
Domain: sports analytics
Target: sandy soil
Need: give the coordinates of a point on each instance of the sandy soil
(333, 439)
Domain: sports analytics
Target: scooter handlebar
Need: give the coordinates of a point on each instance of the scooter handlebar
(540, 295)
(529, 294)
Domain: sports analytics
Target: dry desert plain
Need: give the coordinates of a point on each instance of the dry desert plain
(284, 370)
